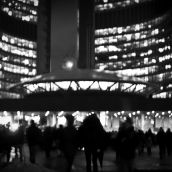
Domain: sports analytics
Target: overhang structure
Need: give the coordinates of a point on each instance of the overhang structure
(84, 80)
(85, 90)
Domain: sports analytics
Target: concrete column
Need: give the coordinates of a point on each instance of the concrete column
(64, 32)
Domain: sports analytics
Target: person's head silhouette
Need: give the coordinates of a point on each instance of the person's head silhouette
(70, 119)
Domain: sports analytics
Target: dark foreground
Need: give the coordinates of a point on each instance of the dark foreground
(56, 162)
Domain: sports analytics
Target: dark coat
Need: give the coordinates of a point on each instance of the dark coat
(33, 135)
(126, 141)
(92, 134)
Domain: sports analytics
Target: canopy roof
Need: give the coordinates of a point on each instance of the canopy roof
(78, 79)
(78, 74)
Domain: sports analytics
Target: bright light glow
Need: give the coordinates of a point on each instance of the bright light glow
(75, 113)
(53, 120)
(95, 86)
(64, 84)
(18, 69)
(163, 95)
(26, 61)
(135, 72)
(85, 84)
(60, 113)
(73, 85)
(105, 85)
(27, 118)
(14, 127)
(80, 117)
(156, 114)
(5, 120)
(113, 57)
(5, 113)
(103, 118)
(36, 119)
(105, 1)
(19, 115)
(152, 121)
(22, 10)
(47, 113)
(62, 121)
(106, 5)
(115, 115)
(69, 65)
(153, 61)
(17, 50)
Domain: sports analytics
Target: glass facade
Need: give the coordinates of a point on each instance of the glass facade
(18, 55)
(102, 5)
(25, 10)
(141, 50)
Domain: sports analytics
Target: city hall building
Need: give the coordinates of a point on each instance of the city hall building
(108, 56)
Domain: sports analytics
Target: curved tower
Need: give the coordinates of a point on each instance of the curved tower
(134, 37)
(18, 43)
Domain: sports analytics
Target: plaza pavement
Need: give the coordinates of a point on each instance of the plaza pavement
(57, 163)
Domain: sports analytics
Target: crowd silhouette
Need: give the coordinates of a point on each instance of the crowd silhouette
(91, 137)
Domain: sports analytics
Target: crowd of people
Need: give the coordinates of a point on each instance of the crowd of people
(91, 137)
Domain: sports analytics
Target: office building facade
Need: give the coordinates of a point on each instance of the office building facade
(117, 37)
(134, 38)
(18, 43)
(128, 37)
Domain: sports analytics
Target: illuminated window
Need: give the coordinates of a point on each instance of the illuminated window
(18, 41)
(17, 61)
(134, 28)
(25, 10)
(116, 4)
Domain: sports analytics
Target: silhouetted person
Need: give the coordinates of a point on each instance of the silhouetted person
(92, 138)
(33, 136)
(5, 145)
(141, 141)
(1, 139)
(149, 141)
(126, 144)
(161, 139)
(169, 141)
(104, 143)
(19, 140)
(48, 140)
(114, 145)
(8, 141)
(57, 137)
(69, 141)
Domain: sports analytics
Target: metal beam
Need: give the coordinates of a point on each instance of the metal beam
(85, 101)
